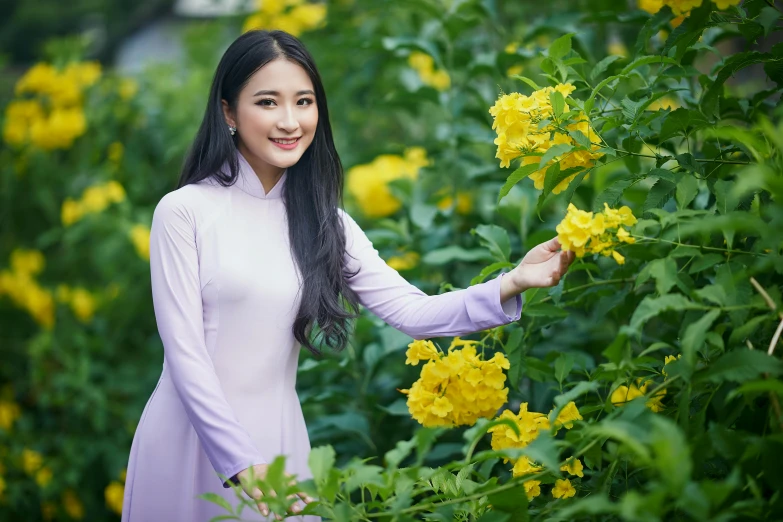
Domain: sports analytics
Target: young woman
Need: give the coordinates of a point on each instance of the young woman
(250, 252)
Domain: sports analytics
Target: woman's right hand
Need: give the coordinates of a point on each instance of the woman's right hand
(259, 472)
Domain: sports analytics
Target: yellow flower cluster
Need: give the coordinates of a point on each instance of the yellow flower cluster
(587, 233)
(53, 118)
(423, 64)
(563, 489)
(624, 394)
(82, 302)
(455, 388)
(369, 183)
(517, 120)
(463, 205)
(19, 284)
(291, 16)
(406, 261)
(530, 424)
(140, 237)
(114, 494)
(682, 8)
(94, 199)
(33, 465)
(9, 412)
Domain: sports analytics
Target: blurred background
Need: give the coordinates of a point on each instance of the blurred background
(101, 100)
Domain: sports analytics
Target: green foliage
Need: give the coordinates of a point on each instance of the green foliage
(691, 135)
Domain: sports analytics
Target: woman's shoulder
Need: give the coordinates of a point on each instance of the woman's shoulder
(193, 202)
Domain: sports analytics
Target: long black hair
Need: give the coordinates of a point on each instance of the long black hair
(314, 185)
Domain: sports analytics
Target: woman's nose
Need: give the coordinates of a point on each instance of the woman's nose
(288, 122)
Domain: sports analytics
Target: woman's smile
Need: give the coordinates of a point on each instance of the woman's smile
(285, 143)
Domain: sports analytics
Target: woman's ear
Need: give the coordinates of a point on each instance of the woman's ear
(230, 121)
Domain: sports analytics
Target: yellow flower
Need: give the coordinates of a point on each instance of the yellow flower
(72, 505)
(667, 360)
(532, 489)
(71, 212)
(568, 415)
(423, 64)
(292, 16)
(524, 466)
(83, 74)
(369, 183)
(123, 474)
(651, 6)
(617, 48)
(517, 120)
(114, 191)
(31, 461)
(618, 257)
(2, 486)
(140, 236)
(83, 304)
(725, 4)
(463, 206)
(27, 262)
(665, 102)
(563, 489)
(584, 232)
(37, 79)
(114, 494)
(456, 388)
(573, 467)
(128, 89)
(9, 412)
(20, 115)
(624, 394)
(406, 261)
(43, 477)
(512, 47)
(421, 350)
(59, 129)
(115, 152)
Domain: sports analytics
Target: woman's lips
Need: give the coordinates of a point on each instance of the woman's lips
(287, 144)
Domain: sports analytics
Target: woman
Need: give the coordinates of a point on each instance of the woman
(246, 256)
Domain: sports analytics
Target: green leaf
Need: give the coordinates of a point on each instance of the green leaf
(220, 501)
(561, 46)
(687, 189)
(746, 329)
(601, 66)
(731, 65)
(659, 194)
(449, 254)
(544, 310)
(755, 387)
(664, 271)
(682, 122)
(693, 339)
(612, 194)
(515, 177)
(495, 239)
(672, 456)
(515, 354)
(647, 60)
(529, 82)
(740, 366)
(558, 103)
(703, 263)
(563, 366)
(553, 152)
(487, 270)
(653, 306)
(725, 199)
(321, 461)
(544, 451)
(511, 501)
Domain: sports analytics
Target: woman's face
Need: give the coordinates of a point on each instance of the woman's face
(276, 116)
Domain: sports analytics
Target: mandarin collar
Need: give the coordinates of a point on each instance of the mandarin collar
(248, 181)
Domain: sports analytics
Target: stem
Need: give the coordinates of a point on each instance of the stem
(589, 285)
(703, 160)
(715, 249)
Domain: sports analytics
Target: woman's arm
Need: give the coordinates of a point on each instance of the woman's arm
(400, 304)
(176, 294)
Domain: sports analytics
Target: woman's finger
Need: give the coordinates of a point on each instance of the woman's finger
(263, 508)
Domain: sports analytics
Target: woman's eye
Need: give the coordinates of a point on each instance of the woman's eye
(265, 102)
(306, 101)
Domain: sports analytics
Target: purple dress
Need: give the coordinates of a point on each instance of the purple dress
(225, 294)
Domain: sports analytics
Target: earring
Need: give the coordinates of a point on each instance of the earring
(232, 129)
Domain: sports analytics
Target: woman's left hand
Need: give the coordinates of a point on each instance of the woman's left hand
(542, 267)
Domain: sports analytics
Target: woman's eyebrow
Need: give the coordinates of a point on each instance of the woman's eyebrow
(276, 93)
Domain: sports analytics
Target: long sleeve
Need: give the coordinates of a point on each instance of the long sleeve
(176, 293)
(403, 306)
